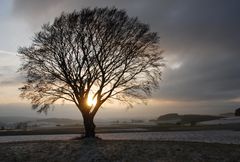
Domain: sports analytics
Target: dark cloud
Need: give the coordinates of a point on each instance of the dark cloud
(36, 12)
(202, 79)
(201, 35)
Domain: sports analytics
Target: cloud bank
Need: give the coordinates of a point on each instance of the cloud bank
(201, 40)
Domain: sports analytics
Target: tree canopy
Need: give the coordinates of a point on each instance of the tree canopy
(100, 53)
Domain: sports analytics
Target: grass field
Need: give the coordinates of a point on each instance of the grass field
(120, 128)
(103, 150)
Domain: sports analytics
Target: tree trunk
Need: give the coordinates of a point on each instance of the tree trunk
(89, 126)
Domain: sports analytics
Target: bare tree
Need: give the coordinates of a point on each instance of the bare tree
(95, 54)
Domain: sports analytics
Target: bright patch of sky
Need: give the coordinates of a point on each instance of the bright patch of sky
(176, 65)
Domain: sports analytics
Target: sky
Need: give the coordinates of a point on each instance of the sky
(200, 39)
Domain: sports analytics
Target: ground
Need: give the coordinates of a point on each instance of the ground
(117, 150)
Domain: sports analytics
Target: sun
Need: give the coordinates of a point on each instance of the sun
(91, 101)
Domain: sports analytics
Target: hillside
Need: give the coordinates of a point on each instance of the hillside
(15, 119)
(15, 122)
(174, 118)
(62, 121)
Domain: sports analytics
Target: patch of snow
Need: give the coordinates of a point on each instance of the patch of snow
(219, 136)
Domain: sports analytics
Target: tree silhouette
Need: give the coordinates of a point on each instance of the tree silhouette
(99, 53)
(237, 112)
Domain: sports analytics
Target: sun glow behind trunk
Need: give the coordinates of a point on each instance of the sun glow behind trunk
(91, 101)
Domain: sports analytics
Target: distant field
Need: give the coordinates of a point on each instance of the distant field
(120, 128)
(113, 150)
(209, 136)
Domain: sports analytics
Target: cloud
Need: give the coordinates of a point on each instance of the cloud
(202, 36)
(7, 82)
(12, 81)
(6, 69)
(203, 78)
(8, 53)
(9, 76)
(36, 12)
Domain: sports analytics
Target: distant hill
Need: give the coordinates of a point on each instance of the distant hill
(15, 119)
(12, 122)
(63, 121)
(169, 116)
(230, 114)
(52, 122)
(174, 118)
(228, 120)
(193, 119)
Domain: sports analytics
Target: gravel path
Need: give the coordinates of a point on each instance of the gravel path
(223, 136)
